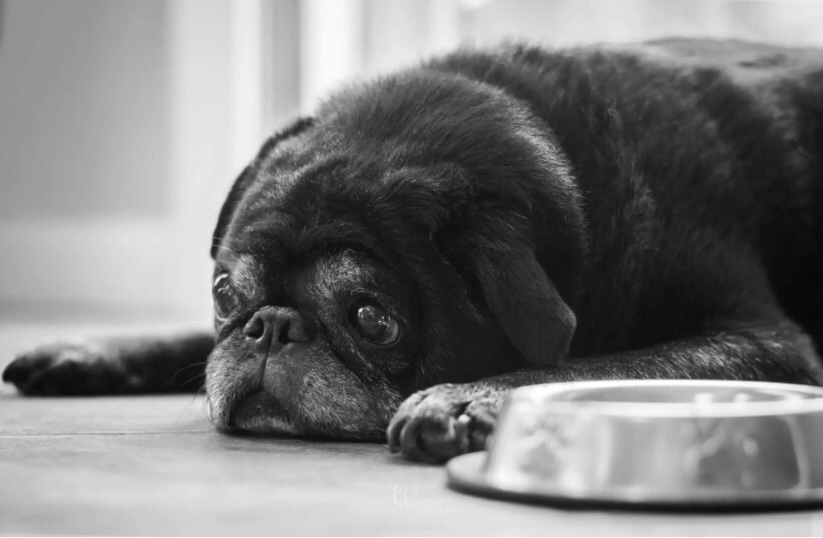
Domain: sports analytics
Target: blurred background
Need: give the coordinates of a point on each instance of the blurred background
(124, 122)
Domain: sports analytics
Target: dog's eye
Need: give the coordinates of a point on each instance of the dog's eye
(375, 324)
(225, 300)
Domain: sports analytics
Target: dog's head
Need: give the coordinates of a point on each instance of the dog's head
(402, 237)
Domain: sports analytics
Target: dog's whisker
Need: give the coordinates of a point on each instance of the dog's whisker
(187, 367)
(217, 244)
(194, 378)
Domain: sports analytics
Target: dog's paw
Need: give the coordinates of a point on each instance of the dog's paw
(65, 369)
(444, 421)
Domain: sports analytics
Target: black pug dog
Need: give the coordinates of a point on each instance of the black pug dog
(394, 265)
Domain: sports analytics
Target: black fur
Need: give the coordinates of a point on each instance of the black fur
(528, 216)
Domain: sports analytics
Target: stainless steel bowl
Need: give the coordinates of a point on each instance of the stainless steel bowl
(704, 444)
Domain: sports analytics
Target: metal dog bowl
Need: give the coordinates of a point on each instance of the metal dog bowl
(667, 444)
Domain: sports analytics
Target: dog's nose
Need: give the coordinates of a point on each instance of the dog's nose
(273, 327)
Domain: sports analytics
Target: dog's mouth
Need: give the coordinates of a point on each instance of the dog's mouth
(259, 412)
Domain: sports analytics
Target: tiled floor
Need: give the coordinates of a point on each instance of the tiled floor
(151, 465)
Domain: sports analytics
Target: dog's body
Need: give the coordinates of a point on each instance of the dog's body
(491, 220)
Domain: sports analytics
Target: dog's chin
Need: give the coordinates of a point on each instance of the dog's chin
(259, 412)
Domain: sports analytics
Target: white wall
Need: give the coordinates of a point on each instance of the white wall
(84, 108)
(570, 22)
(122, 125)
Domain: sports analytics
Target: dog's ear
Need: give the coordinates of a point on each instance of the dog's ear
(241, 184)
(533, 315)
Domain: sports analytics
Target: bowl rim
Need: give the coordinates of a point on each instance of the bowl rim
(467, 473)
(808, 399)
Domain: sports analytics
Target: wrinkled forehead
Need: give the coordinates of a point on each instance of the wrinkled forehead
(333, 274)
(326, 274)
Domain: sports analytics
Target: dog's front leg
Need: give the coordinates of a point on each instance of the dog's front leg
(446, 420)
(124, 365)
